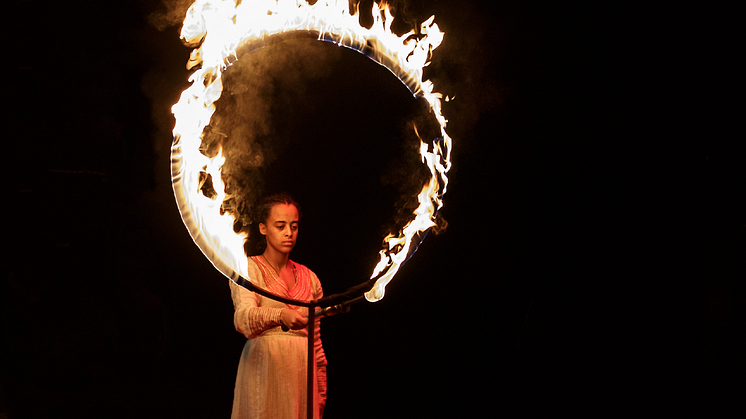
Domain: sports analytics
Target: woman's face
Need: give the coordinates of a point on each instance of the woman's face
(281, 228)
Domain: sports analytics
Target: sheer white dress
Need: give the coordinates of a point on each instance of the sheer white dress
(271, 379)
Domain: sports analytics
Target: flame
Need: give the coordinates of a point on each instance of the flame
(221, 32)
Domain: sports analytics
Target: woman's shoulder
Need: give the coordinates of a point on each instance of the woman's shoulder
(253, 269)
(253, 262)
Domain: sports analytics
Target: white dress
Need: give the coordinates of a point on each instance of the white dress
(271, 379)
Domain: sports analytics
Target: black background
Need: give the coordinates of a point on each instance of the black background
(593, 261)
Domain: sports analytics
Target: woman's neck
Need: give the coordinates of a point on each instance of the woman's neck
(276, 259)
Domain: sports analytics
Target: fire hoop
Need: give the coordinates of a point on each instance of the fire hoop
(221, 33)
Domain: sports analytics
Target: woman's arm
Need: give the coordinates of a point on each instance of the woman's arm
(248, 317)
(319, 349)
(251, 319)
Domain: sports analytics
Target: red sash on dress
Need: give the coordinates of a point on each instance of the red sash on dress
(302, 290)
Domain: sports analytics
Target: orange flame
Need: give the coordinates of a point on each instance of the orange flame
(221, 32)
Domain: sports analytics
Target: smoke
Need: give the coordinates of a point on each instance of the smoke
(244, 124)
(170, 13)
(406, 173)
(464, 66)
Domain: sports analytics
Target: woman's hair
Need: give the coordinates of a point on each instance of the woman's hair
(256, 242)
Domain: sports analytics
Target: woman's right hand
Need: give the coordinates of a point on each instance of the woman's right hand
(292, 319)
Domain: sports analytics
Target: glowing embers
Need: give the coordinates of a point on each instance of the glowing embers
(204, 152)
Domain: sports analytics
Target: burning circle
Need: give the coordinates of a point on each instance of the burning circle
(221, 32)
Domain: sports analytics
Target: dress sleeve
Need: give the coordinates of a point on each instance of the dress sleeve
(319, 349)
(249, 317)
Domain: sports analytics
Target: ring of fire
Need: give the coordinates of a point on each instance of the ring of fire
(221, 32)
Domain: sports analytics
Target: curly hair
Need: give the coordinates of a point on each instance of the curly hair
(256, 243)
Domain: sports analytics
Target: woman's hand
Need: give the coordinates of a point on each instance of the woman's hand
(292, 319)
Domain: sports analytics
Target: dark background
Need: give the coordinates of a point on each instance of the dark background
(593, 263)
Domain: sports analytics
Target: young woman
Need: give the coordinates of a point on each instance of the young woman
(271, 379)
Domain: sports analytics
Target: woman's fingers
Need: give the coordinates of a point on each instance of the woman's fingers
(293, 319)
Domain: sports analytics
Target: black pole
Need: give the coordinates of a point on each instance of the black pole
(311, 360)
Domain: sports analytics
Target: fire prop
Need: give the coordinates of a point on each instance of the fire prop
(221, 32)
